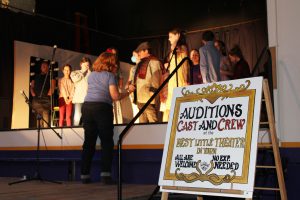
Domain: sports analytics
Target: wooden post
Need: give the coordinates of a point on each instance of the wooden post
(164, 195)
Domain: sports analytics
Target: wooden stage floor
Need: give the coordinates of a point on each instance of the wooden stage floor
(37, 190)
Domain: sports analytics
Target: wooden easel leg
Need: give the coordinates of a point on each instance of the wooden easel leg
(199, 198)
(164, 195)
(274, 140)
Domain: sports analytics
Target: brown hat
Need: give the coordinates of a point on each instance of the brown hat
(143, 46)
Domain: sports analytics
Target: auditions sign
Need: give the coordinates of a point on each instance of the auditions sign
(211, 139)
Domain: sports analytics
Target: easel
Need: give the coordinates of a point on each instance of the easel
(273, 144)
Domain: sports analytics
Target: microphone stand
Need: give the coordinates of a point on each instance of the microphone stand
(37, 175)
(131, 123)
(174, 53)
(50, 79)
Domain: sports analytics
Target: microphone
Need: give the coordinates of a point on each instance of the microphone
(54, 48)
(53, 54)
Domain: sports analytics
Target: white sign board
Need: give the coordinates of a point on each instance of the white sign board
(211, 140)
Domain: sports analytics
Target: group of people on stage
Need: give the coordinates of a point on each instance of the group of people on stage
(72, 91)
(211, 63)
(93, 92)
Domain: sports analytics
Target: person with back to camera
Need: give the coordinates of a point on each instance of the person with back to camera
(209, 59)
(97, 115)
(66, 92)
(79, 78)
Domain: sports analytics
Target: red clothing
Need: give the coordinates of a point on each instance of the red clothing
(64, 110)
(66, 88)
(241, 70)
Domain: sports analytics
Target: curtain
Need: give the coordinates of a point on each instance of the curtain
(251, 36)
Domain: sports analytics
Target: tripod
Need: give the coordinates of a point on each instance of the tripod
(37, 175)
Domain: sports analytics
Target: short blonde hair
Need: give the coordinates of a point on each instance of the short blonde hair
(105, 62)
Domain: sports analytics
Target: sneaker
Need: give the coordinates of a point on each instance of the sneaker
(107, 180)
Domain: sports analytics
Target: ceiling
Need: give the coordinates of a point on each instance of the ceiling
(136, 18)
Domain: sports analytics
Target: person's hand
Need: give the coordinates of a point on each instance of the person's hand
(49, 93)
(187, 83)
(131, 88)
(166, 65)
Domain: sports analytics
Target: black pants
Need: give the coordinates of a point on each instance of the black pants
(97, 122)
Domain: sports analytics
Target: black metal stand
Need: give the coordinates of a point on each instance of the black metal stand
(125, 130)
(155, 191)
(50, 74)
(37, 175)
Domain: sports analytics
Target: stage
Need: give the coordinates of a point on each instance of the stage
(60, 160)
(36, 190)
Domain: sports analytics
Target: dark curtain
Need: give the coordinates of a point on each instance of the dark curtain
(251, 36)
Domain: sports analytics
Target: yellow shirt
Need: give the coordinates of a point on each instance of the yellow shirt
(183, 75)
